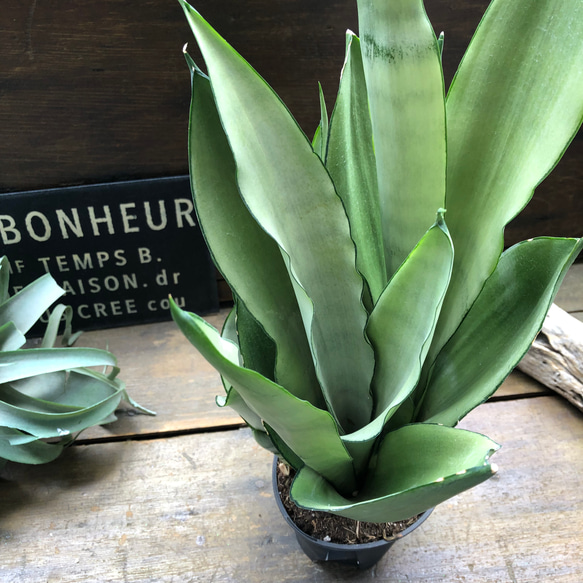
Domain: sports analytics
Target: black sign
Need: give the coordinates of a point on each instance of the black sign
(117, 249)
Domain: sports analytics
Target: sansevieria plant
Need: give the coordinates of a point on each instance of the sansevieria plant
(374, 304)
(48, 395)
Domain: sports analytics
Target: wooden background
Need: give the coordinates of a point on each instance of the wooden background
(98, 90)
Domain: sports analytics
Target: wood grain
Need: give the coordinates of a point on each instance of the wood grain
(556, 357)
(199, 508)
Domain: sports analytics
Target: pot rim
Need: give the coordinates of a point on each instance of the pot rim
(340, 546)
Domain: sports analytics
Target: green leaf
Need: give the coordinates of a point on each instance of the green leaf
(11, 338)
(248, 258)
(20, 364)
(258, 350)
(35, 452)
(44, 419)
(402, 64)
(512, 109)
(76, 389)
(290, 194)
(351, 163)
(263, 440)
(283, 451)
(308, 431)
(28, 305)
(440, 43)
(401, 327)
(320, 141)
(52, 329)
(498, 329)
(232, 398)
(235, 401)
(418, 466)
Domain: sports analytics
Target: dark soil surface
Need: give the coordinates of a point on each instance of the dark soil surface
(332, 528)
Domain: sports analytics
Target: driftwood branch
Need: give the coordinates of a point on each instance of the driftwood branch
(556, 357)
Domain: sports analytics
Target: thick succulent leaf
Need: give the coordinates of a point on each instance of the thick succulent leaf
(229, 329)
(258, 350)
(401, 327)
(44, 419)
(235, 401)
(28, 305)
(514, 105)
(289, 192)
(34, 452)
(418, 467)
(402, 64)
(440, 43)
(320, 141)
(317, 140)
(351, 163)
(283, 451)
(20, 364)
(248, 258)
(498, 329)
(310, 432)
(264, 441)
(402, 323)
(232, 398)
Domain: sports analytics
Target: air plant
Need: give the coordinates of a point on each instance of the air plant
(48, 395)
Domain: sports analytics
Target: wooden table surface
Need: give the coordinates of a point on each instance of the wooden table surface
(186, 496)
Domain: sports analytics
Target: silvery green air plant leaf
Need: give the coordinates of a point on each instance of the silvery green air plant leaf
(48, 393)
(369, 320)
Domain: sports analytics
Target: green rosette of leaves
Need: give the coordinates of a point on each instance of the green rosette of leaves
(48, 395)
(368, 320)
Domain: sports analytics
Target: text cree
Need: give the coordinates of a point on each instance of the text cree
(92, 221)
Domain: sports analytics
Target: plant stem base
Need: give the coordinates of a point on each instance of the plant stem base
(331, 538)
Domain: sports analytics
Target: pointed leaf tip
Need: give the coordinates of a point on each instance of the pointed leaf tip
(440, 220)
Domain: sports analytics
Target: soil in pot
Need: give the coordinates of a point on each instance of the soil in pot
(331, 528)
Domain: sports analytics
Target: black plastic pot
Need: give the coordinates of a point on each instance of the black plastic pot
(362, 556)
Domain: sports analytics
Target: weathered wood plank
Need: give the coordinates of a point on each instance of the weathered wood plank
(199, 508)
